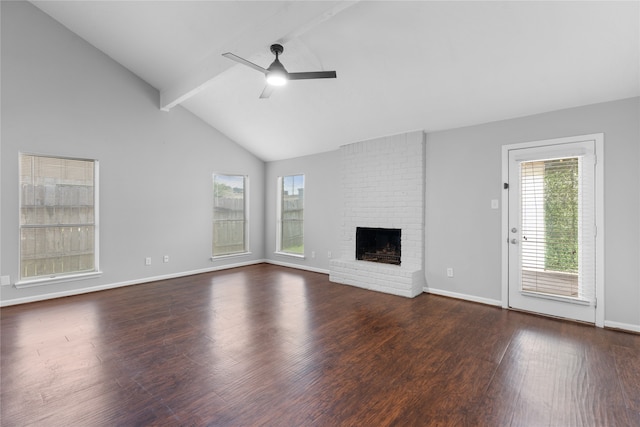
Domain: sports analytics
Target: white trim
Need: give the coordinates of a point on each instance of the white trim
(607, 323)
(598, 139)
(301, 256)
(226, 256)
(561, 298)
(622, 326)
(72, 292)
(42, 281)
(472, 298)
(96, 216)
(600, 231)
(298, 266)
(505, 227)
(247, 214)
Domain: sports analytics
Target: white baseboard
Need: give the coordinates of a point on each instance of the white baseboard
(488, 301)
(298, 266)
(622, 326)
(465, 297)
(72, 292)
(607, 323)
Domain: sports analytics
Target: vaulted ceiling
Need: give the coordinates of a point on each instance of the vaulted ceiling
(401, 66)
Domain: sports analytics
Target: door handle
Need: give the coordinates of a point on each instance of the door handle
(514, 242)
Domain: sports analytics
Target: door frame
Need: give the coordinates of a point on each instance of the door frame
(598, 138)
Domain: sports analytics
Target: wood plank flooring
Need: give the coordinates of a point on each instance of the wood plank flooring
(272, 346)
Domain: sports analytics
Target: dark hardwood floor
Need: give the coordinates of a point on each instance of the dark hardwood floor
(272, 346)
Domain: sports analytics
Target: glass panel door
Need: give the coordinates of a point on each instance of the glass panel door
(552, 230)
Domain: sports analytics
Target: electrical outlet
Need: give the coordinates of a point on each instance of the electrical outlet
(313, 254)
(147, 261)
(449, 272)
(329, 254)
(166, 258)
(5, 280)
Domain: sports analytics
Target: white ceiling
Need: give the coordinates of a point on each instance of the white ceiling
(401, 65)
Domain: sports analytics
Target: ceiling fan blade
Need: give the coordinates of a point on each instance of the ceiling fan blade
(313, 75)
(244, 62)
(268, 90)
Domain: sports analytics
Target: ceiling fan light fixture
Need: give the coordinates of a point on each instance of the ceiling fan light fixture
(277, 78)
(276, 74)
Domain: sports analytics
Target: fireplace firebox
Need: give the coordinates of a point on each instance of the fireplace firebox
(378, 245)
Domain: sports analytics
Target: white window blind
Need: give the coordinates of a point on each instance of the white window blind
(558, 227)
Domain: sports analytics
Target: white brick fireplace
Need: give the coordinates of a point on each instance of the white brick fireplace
(383, 186)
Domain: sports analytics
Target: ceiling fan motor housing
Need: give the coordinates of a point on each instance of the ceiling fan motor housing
(277, 49)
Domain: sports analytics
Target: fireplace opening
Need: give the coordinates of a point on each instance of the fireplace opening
(378, 245)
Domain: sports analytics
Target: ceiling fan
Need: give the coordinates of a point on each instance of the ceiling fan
(276, 74)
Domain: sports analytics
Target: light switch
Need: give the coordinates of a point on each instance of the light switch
(494, 204)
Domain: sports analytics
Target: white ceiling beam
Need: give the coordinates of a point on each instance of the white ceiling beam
(290, 22)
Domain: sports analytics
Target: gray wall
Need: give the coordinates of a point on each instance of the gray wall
(61, 96)
(464, 174)
(322, 209)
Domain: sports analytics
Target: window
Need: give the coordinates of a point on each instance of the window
(58, 217)
(558, 220)
(290, 236)
(229, 214)
(550, 225)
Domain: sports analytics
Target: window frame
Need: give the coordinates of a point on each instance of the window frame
(245, 196)
(27, 282)
(279, 215)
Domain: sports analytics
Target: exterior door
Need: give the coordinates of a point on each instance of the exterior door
(552, 228)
